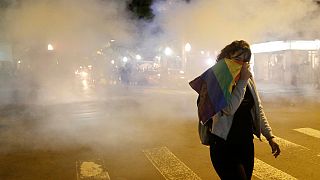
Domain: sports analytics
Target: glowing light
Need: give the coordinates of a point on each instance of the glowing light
(138, 57)
(202, 52)
(285, 45)
(269, 47)
(19, 62)
(99, 52)
(112, 40)
(112, 61)
(89, 66)
(50, 47)
(181, 72)
(84, 74)
(305, 45)
(210, 62)
(187, 47)
(85, 84)
(317, 41)
(125, 59)
(168, 51)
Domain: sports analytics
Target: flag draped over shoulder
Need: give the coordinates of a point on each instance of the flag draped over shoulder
(214, 87)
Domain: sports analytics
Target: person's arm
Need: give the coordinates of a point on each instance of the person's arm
(266, 130)
(236, 98)
(265, 127)
(239, 91)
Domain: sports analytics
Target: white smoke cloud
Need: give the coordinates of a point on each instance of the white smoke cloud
(71, 24)
(216, 23)
(77, 29)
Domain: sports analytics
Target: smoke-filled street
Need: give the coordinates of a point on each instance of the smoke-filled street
(146, 133)
(120, 89)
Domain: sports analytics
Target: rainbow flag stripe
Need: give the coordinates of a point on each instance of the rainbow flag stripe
(214, 87)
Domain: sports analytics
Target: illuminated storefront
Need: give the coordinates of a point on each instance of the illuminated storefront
(287, 62)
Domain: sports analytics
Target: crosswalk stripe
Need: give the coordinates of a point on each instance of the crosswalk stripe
(169, 165)
(173, 169)
(264, 171)
(285, 144)
(293, 148)
(288, 145)
(87, 170)
(309, 131)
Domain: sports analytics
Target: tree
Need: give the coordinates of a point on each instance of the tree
(6, 3)
(141, 9)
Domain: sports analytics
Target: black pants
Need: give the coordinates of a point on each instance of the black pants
(232, 161)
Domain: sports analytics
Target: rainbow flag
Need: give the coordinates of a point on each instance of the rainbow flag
(214, 87)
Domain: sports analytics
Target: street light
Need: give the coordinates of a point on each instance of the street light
(50, 47)
(185, 51)
(138, 57)
(125, 59)
(187, 47)
(210, 62)
(168, 51)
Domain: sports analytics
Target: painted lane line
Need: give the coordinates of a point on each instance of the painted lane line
(264, 171)
(309, 131)
(87, 170)
(169, 165)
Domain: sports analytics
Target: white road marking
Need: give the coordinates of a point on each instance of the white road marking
(169, 165)
(264, 171)
(309, 131)
(287, 145)
(87, 170)
(294, 149)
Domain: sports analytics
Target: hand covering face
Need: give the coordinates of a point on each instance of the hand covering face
(214, 87)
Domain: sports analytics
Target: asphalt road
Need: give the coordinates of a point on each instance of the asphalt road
(137, 133)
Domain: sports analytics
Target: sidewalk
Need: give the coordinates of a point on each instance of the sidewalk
(288, 93)
(287, 90)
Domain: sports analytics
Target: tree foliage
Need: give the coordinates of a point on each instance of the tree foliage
(5, 3)
(141, 9)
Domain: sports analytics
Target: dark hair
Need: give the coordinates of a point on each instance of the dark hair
(236, 46)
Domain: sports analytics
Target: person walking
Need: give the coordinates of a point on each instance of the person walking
(231, 129)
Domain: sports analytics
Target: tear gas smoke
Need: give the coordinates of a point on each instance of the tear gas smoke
(210, 25)
(78, 28)
(213, 24)
(74, 30)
